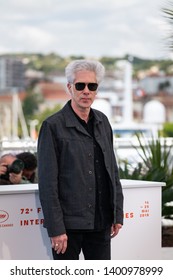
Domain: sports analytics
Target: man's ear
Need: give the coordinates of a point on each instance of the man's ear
(69, 87)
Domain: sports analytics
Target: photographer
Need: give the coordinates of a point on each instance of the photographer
(11, 170)
(30, 166)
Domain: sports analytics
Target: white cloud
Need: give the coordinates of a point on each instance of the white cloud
(91, 28)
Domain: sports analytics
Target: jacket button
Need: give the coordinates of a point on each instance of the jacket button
(90, 172)
(89, 205)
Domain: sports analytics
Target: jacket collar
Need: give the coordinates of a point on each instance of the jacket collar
(71, 120)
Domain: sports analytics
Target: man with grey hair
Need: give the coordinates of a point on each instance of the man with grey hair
(79, 187)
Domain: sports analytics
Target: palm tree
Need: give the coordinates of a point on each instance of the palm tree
(156, 165)
(168, 14)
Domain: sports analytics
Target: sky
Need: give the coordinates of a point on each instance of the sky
(92, 28)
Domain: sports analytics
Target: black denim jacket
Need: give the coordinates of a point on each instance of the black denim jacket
(66, 171)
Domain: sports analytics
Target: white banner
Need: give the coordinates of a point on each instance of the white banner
(22, 236)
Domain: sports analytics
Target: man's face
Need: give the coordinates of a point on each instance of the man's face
(83, 99)
(28, 173)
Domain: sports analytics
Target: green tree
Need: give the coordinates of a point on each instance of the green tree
(46, 113)
(30, 105)
(167, 129)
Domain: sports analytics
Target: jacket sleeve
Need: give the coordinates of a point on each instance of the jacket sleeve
(119, 200)
(48, 181)
(119, 215)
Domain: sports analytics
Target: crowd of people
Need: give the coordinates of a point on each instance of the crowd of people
(18, 169)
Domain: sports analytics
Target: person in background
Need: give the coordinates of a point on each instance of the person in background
(30, 166)
(4, 182)
(79, 186)
(11, 170)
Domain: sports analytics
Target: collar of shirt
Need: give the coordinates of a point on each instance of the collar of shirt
(91, 114)
(89, 125)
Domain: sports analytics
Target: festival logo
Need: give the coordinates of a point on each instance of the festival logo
(3, 216)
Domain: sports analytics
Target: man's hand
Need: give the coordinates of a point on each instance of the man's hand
(3, 169)
(59, 243)
(115, 229)
(15, 178)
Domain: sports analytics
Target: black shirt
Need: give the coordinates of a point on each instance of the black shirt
(103, 209)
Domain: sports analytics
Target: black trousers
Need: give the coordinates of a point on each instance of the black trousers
(94, 245)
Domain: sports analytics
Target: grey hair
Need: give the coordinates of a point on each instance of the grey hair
(84, 65)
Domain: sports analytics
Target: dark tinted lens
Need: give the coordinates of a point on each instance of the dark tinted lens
(92, 86)
(80, 86)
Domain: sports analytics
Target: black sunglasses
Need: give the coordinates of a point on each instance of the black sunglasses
(91, 86)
